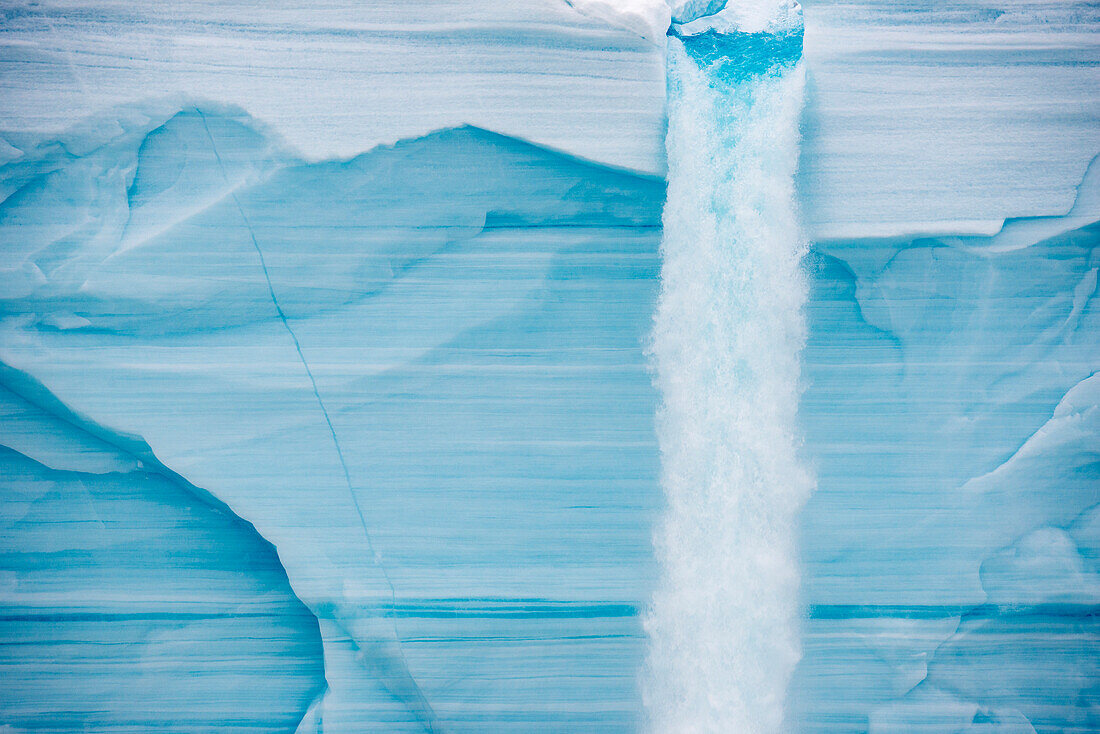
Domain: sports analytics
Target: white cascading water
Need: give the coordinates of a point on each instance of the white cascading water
(724, 621)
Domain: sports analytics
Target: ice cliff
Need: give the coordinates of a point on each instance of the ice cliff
(418, 372)
(515, 366)
(951, 546)
(128, 597)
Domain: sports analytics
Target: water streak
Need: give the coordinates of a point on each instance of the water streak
(724, 621)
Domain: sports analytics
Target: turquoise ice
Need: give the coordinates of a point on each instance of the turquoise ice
(418, 372)
(321, 411)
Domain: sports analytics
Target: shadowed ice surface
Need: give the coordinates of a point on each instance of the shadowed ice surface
(951, 548)
(128, 603)
(419, 372)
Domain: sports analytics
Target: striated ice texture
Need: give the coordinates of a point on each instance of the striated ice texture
(336, 78)
(951, 548)
(418, 372)
(130, 601)
(933, 116)
(951, 401)
(364, 371)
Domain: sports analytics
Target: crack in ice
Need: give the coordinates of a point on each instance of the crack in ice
(421, 707)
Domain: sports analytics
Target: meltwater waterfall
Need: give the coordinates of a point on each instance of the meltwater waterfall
(723, 625)
(509, 366)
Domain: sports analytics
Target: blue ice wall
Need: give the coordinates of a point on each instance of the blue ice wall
(951, 410)
(945, 116)
(339, 78)
(419, 372)
(131, 602)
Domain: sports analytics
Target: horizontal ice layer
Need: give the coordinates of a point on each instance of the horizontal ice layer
(933, 117)
(951, 406)
(338, 78)
(953, 414)
(920, 117)
(418, 372)
(129, 603)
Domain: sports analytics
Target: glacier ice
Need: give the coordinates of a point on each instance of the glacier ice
(945, 118)
(338, 78)
(127, 598)
(477, 561)
(965, 470)
(361, 356)
(922, 117)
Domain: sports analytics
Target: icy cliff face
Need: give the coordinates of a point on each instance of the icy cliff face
(368, 434)
(951, 548)
(945, 117)
(950, 405)
(337, 78)
(418, 372)
(921, 116)
(131, 601)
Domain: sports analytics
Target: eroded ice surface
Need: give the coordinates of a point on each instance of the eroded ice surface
(951, 548)
(337, 78)
(946, 117)
(921, 116)
(418, 372)
(131, 602)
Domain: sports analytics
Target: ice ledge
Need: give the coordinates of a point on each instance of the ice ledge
(339, 80)
(989, 236)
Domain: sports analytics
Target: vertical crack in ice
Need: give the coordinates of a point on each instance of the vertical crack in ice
(420, 704)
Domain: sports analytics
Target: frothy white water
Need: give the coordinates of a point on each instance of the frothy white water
(724, 621)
